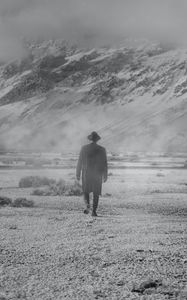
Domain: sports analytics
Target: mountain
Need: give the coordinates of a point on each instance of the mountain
(133, 93)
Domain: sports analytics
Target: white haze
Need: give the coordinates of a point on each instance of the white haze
(75, 19)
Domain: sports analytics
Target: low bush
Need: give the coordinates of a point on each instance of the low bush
(160, 175)
(5, 201)
(107, 195)
(116, 158)
(74, 189)
(57, 188)
(39, 192)
(22, 202)
(35, 181)
(60, 188)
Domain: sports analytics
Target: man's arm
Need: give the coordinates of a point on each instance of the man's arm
(79, 165)
(105, 169)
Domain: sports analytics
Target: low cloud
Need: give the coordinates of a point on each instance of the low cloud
(76, 19)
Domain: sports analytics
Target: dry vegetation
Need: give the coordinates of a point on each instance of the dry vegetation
(35, 181)
(5, 201)
(22, 202)
(18, 202)
(50, 187)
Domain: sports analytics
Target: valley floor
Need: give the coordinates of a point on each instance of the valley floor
(135, 249)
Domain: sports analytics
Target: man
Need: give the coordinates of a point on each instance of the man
(93, 165)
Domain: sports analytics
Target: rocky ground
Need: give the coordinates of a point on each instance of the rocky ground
(135, 249)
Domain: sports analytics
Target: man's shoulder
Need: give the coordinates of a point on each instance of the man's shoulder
(85, 148)
(101, 148)
(88, 146)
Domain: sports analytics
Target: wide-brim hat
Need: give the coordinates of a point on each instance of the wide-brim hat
(94, 136)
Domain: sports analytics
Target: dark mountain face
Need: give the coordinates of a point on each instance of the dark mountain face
(134, 95)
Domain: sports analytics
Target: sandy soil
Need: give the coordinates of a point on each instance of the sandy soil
(54, 251)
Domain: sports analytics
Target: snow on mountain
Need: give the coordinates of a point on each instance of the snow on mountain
(135, 95)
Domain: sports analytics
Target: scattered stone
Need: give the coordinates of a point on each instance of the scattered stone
(101, 230)
(13, 227)
(120, 283)
(108, 264)
(161, 244)
(160, 175)
(99, 294)
(111, 236)
(147, 285)
(183, 293)
(141, 259)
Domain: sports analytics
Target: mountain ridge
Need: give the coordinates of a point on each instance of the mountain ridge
(134, 95)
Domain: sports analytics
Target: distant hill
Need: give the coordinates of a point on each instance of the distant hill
(134, 94)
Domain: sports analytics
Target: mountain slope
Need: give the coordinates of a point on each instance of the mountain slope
(133, 94)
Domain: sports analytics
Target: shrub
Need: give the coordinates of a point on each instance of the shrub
(60, 188)
(57, 188)
(5, 201)
(74, 189)
(39, 192)
(22, 202)
(116, 158)
(160, 175)
(107, 195)
(35, 181)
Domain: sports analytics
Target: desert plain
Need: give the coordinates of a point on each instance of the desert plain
(135, 249)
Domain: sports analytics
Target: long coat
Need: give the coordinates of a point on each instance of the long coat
(93, 165)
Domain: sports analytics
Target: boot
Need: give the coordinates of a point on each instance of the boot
(87, 203)
(95, 205)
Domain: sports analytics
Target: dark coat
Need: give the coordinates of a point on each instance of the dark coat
(93, 164)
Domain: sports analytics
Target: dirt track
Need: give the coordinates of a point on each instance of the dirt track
(54, 251)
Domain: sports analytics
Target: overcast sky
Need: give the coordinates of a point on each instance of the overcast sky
(70, 18)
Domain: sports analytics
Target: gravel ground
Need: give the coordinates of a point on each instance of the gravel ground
(135, 249)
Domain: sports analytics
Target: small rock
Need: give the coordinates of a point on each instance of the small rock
(13, 227)
(140, 259)
(99, 294)
(183, 294)
(120, 283)
(111, 236)
(147, 285)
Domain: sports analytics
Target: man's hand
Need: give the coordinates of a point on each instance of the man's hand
(104, 178)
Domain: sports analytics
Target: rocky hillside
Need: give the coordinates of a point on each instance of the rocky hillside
(134, 94)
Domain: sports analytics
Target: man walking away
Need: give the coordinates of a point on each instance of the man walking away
(93, 165)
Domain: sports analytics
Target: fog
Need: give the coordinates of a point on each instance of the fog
(79, 19)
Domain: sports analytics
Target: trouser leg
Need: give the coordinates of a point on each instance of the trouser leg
(87, 200)
(95, 202)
